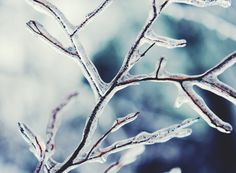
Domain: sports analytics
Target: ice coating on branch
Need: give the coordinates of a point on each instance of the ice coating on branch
(207, 81)
(205, 3)
(92, 74)
(160, 68)
(219, 88)
(145, 138)
(120, 122)
(200, 107)
(54, 12)
(226, 63)
(39, 29)
(134, 59)
(36, 144)
(152, 37)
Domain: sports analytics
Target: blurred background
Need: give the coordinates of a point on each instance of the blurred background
(34, 79)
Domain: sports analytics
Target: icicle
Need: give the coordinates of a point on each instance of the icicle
(181, 98)
(37, 145)
(120, 122)
(164, 41)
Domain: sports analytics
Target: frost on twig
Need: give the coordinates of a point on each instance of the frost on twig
(127, 158)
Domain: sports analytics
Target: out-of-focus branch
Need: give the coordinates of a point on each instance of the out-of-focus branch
(127, 158)
(205, 18)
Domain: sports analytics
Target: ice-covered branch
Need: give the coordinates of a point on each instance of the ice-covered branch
(39, 29)
(120, 122)
(151, 37)
(53, 124)
(77, 51)
(205, 3)
(226, 63)
(185, 83)
(133, 55)
(92, 14)
(37, 146)
(42, 151)
(104, 91)
(145, 138)
(53, 11)
(202, 109)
